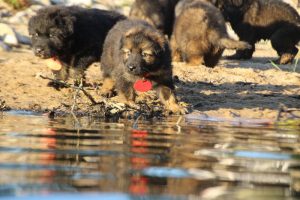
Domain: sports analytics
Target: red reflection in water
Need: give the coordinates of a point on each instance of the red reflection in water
(139, 144)
(48, 159)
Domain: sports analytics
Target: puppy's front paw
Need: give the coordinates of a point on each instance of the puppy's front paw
(285, 58)
(107, 89)
(176, 109)
(56, 85)
(108, 93)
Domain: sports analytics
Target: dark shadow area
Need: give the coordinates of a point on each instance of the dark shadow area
(240, 95)
(261, 63)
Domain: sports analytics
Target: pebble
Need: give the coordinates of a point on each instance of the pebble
(100, 6)
(22, 17)
(41, 2)
(8, 34)
(4, 47)
(4, 13)
(87, 3)
(23, 39)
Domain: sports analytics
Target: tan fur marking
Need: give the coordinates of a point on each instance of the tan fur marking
(108, 86)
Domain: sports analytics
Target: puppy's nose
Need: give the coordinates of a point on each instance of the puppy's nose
(38, 50)
(131, 67)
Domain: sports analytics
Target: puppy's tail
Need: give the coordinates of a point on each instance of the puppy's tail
(229, 43)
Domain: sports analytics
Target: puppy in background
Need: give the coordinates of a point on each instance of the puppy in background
(159, 13)
(200, 35)
(253, 20)
(136, 58)
(72, 36)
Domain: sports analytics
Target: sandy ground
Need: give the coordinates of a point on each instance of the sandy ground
(249, 89)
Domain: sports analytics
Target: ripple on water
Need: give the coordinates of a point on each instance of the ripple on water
(158, 159)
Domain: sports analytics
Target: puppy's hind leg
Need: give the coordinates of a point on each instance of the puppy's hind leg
(176, 53)
(284, 42)
(195, 60)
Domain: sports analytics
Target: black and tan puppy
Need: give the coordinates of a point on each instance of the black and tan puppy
(199, 35)
(72, 35)
(159, 13)
(253, 20)
(136, 58)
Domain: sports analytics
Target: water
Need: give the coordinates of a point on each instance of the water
(62, 159)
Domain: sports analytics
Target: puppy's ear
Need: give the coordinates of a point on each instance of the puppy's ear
(31, 23)
(157, 38)
(122, 41)
(69, 22)
(214, 2)
(237, 3)
(66, 23)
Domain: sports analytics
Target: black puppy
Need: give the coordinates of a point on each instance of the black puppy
(72, 35)
(254, 20)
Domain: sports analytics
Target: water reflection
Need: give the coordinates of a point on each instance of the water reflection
(39, 155)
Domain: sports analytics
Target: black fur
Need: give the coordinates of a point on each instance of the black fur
(73, 35)
(254, 20)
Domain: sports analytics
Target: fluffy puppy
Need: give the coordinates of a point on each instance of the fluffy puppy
(159, 13)
(253, 20)
(72, 35)
(134, 52)
(200, 35)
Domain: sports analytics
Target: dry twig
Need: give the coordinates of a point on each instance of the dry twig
(284, 110)
(68, 85)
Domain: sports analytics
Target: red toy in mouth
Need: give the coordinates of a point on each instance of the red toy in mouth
(54, 64)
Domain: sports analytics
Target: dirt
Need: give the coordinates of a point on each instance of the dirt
(248, 89)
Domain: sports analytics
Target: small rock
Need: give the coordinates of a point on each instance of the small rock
(8, 34)
(88, 3)
(57, 1)
(23, 39)
(41, 2)
(11, 39)
(18, 18)
(4, 13)
(100, 6)
(4, 47)
(23, 17)
(34, 8)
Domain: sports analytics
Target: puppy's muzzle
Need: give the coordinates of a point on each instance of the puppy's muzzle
(134, 64)
(131, 68)
(40, 52)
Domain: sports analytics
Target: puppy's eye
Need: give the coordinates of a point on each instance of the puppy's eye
(34, 34)
(146, 54)
(127, 52)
